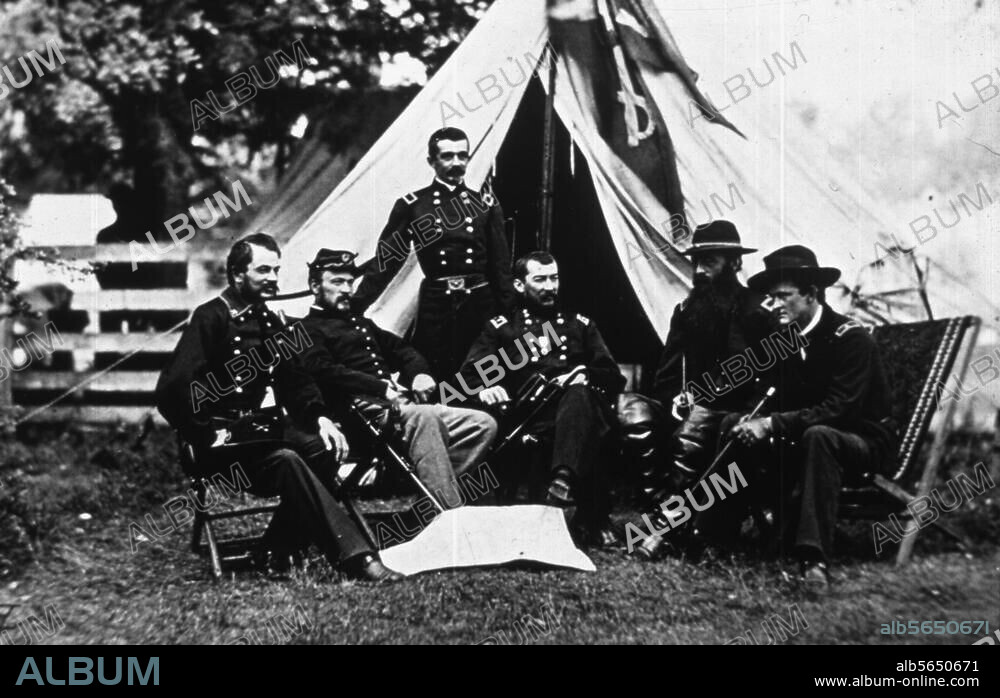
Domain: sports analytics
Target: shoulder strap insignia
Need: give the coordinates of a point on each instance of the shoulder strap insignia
(499, 321)
(583, 319)
(486, 193)
(850, 324)
(410, 198)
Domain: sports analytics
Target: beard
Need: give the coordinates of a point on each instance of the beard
(709, 308)
(342, 305)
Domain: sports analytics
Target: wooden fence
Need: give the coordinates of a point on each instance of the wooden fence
(126, 314)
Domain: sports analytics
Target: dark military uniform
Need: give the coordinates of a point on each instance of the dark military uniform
(692, 445)
(351, 357)
(749, 322)
(227, 358)
(462, 250)
(831, 424)
(577, 422)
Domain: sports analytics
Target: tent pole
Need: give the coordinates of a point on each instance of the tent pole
(548, 158)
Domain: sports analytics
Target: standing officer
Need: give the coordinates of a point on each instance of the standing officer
(458, 235)
(540, 339)
(234, 368)
(832, 421)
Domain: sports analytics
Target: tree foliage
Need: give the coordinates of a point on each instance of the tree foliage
(119, 108)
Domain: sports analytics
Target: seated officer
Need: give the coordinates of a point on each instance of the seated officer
(223, 388)
(720, 325)
(351, 357)
(583, 416)
(831, 421)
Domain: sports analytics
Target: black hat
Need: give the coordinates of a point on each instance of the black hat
(334, 260)
(717, 236)
(792, 263)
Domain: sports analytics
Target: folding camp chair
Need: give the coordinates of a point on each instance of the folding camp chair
(918, 358)
(226, 549)
(235, 544)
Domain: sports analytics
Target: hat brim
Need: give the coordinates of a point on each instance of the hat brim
(821, 277)
(717, 247)
(353, 269)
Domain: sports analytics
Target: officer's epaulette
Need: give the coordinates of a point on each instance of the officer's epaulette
(410, 198)
(584, 319)
(499, 321)
(850, 324)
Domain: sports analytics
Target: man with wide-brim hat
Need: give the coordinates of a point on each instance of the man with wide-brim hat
(718, 321)
(717, 236)
(793, 262)
(830, 422)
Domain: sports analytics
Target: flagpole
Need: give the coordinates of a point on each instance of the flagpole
(548, 158)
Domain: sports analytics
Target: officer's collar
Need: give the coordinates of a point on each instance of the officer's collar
(236, 303)
(530, 314)
(330, 312)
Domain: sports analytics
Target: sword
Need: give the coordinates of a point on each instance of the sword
(725, 449)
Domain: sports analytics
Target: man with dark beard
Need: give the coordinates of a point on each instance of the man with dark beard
(718, 321)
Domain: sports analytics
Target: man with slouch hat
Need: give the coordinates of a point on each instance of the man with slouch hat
(712, 328)
(831, 422)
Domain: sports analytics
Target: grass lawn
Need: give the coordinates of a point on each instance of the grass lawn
(83, 568)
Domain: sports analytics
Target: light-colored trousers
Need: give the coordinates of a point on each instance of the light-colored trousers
(445, 442)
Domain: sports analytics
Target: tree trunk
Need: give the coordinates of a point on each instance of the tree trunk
(161, 166)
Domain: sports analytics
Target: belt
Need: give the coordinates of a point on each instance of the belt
(458, 283)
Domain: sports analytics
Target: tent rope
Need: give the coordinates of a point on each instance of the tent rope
(94, 376)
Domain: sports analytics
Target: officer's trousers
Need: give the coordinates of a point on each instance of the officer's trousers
(445, 442)
(801, 481)
(308, 512)
(448, 322)
(577, 426)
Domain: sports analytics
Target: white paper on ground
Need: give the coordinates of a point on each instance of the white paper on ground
(484, 536)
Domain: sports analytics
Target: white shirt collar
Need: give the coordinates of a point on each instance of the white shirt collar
(815, 321)
(810, 327)
(449, 187)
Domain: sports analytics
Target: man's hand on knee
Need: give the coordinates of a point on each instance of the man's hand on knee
(333, 439)
(422, 386)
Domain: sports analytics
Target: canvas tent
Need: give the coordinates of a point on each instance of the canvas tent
(613, 207)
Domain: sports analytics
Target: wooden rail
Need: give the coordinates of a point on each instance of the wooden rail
(120, 394)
